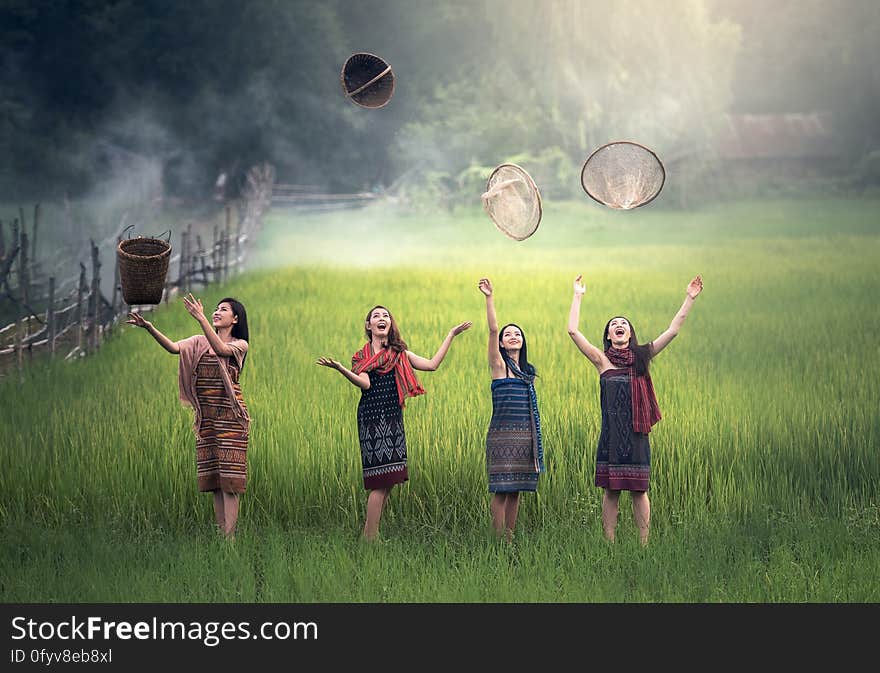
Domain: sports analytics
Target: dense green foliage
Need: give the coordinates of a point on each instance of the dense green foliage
(210, 85)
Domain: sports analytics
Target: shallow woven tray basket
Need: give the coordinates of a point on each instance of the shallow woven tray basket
(143, 266)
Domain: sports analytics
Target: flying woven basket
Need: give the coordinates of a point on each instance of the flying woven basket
(367, 80)
(143, 266)
(623, 175)
(513, 202)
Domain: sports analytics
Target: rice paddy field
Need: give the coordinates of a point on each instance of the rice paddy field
(765, 476)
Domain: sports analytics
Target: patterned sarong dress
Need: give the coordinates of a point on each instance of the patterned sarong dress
(381, 433)
(623, 457)
(511, 443)
(221, 445)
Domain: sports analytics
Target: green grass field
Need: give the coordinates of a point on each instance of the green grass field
(765, 475)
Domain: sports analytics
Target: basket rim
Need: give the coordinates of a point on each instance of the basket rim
(532, 184)
(127, 255)
(624, 142)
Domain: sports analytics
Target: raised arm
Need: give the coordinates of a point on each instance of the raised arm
(496, 362)
(426, 365)
(194, 308)
(362, 380)
(693, 290)
(138, 320)
(593, 354)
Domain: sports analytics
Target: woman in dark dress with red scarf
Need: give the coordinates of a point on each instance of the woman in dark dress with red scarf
(629, 407)
(383, 370)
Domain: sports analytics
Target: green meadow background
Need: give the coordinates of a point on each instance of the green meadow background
(765, 478)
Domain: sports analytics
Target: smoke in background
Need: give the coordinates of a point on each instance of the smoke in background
(89, 92)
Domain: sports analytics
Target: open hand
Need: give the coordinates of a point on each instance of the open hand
(328, 362)
(485, 286)
(138, 320)
(194, 306)
(579, 288)
(695, 287)
(458, 329)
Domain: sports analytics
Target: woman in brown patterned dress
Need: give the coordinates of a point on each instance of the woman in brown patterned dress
(210, 366)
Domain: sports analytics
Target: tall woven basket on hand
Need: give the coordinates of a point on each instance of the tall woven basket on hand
(143, 266)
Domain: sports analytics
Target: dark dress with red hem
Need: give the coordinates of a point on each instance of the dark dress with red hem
(623, 457)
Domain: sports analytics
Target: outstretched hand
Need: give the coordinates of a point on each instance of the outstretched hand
(695, 287)
(458, 329)
(138, 320)
(579, 288)
(194, 306)
(328, 362)
(485, 286)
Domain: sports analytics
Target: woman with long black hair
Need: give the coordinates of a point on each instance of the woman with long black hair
(629, 406)
(208, 377)
(383, 370)
(514, 450)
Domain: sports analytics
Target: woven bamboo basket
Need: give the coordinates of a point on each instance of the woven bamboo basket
(367, 80)
(623, 175)
(143, 266)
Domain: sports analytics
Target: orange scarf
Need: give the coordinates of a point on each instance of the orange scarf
(383, 361)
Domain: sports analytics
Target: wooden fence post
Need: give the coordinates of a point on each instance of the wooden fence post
(215, 255)
(24, 280)
(50, 317)
(226, 238)
(181, 267)
(116, 279)
(34, 232)
(201, 254)
(18, 353)
(16, 240)
(238, 246)
(80, 314)
(95, 303)
(190, 258)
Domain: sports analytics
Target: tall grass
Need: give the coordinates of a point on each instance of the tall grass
(769, 399)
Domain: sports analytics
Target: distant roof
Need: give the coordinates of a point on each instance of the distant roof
(772, 136)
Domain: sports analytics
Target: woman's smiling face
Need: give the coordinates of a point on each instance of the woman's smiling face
(511, 338)
(379, 323)
(223, 316)
(619, 332)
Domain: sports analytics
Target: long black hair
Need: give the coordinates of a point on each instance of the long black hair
(642, 352)
(525, 366)
(239, 329)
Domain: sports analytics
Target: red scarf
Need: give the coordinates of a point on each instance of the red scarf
(645, 410)
(383, 362)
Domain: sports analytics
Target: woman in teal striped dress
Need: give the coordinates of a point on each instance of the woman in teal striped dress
(514, 453)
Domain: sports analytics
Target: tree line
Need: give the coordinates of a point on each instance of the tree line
(206, 86)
